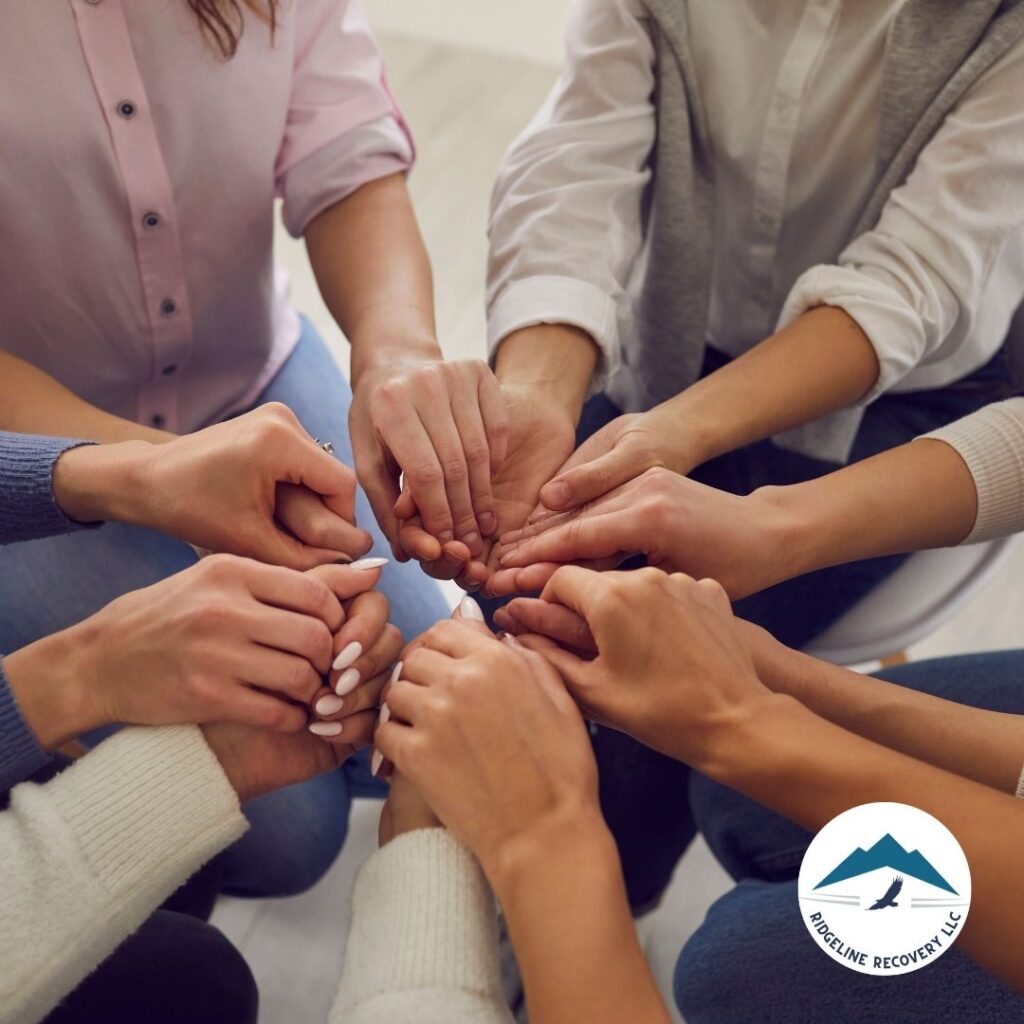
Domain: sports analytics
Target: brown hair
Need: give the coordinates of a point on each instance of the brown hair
(221, 21)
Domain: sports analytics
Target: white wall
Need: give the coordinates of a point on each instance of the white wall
(523, 28)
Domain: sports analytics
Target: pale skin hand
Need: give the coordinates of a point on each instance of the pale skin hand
(487, 734)
(441, 424)
(821, 362)
(227, 640)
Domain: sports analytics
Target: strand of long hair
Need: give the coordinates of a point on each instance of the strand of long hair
(223, 21)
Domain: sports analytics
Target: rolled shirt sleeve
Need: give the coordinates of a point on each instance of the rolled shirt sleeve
(344, 127)
(566, 224)
(921, 284)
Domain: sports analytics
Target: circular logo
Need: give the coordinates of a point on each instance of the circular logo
(885, 889)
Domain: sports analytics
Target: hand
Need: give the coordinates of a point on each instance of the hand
(257, 761)
(404, 811)
(486, 732)
(671, 669)
(620, 451)
(441, 425)
(679, 525)
(255, 485)
(226, 640)
(541, 436)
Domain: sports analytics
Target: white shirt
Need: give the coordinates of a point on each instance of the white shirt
(792, 90)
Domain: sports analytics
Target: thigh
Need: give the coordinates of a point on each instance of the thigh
(312, 385)
(751, 841)
(50, 584)
(752, 962)
(173, 969)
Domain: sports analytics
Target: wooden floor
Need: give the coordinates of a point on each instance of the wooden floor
(465, 107)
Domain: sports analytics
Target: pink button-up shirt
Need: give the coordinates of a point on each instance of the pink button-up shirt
(139, 171)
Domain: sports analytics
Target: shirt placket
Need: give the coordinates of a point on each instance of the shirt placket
(781, 125)
(106, 45)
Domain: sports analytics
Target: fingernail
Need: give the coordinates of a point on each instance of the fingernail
(376, 760)
(347, 682)
(365, 564)
(385, 716)
(396, 673)
(326, 728)
(349, 656)
(471, 538)
(487, 523)
(328, 705)
(469, 609)
(508, 638)
(557, 494)
(343, 560)
(444, 536)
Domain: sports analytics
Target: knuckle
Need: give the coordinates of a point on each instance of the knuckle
(427, 474)
(478, 452)
(391, 391)
(455, 469)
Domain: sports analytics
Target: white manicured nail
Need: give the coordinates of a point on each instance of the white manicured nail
(349, 656)
(365, 564)
(469, 609)
(375, 762)
(329, 705)
(385, 716)
(347, 682)
(396, 673)
(326, 728)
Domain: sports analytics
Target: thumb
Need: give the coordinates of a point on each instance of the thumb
(591, 480)
(469, 612)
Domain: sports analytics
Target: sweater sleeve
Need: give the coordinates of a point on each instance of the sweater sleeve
(991, 442)
(91, 854)
(423, 942)
(28, 508)
(20, 752)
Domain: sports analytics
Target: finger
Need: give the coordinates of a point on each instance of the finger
(423, 474)
(405, 700)
(354, 642)
(350, 736)
(305, 515)
(439, 422)
(288, 674)
(393, 740)
(590, 480)
(263, 711)
(531, 615)
(423, 667)
(379, 477)
(573, 670)
(521, 581)
(330, 706)
(584, 537)
(405, 507)
(323, 474)
(307, 593)
(456, 639)
(574, 588)
(291, 633)
(473, 575)
(495, 416)
(470, 425)
(417, 542)
(347, 581)
(471, 614)
(351, 682)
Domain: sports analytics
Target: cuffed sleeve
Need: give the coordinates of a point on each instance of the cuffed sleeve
(344, 128)
(423, 942)
(991, 442)
(28, 508)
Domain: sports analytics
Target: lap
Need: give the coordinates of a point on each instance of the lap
(752, 962)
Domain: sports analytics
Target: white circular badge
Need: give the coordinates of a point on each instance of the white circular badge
(885, 889)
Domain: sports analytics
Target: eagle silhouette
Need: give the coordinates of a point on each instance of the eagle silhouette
(889, 899)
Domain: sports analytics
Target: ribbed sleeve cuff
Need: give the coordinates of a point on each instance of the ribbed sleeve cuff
(27, 506)
(423, 917)
(149, 810)
(551, 299)
(20, 752)
(991, 442)
(1020, 785)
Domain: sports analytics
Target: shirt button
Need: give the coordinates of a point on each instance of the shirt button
(151, 219)
(168, 307)
(94, 2)
(126, 109)
(158, 421)
(170, 371)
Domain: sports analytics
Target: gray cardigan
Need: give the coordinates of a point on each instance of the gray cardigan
(936, 51)
(27, 510)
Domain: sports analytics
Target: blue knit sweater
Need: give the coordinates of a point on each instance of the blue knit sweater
(27, 510)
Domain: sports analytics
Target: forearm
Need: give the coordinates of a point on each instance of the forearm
(810, 770)
(985, 746)
(374, 274)
(820, 363)
(554, 358)
(32, 402)
(571, 927)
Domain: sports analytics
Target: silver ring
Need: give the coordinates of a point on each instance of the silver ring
(328, 446)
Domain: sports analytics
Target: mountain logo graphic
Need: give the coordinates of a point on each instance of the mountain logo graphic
(886, 853)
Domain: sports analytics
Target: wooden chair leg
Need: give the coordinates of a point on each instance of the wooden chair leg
(899, 658)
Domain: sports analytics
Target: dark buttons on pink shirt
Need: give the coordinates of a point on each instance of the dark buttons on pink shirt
(170, 371)
(158, 421)
(127, 109)
(168, 307)
(151, 219)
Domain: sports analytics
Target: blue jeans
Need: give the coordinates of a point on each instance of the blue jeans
(50, 584)
(643, 793)
(752, 961)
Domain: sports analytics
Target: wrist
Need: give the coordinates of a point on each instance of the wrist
(102, 482)
(53, 684)
(786, 534)
(221, 739)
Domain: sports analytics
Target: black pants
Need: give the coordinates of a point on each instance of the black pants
(176, 969)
